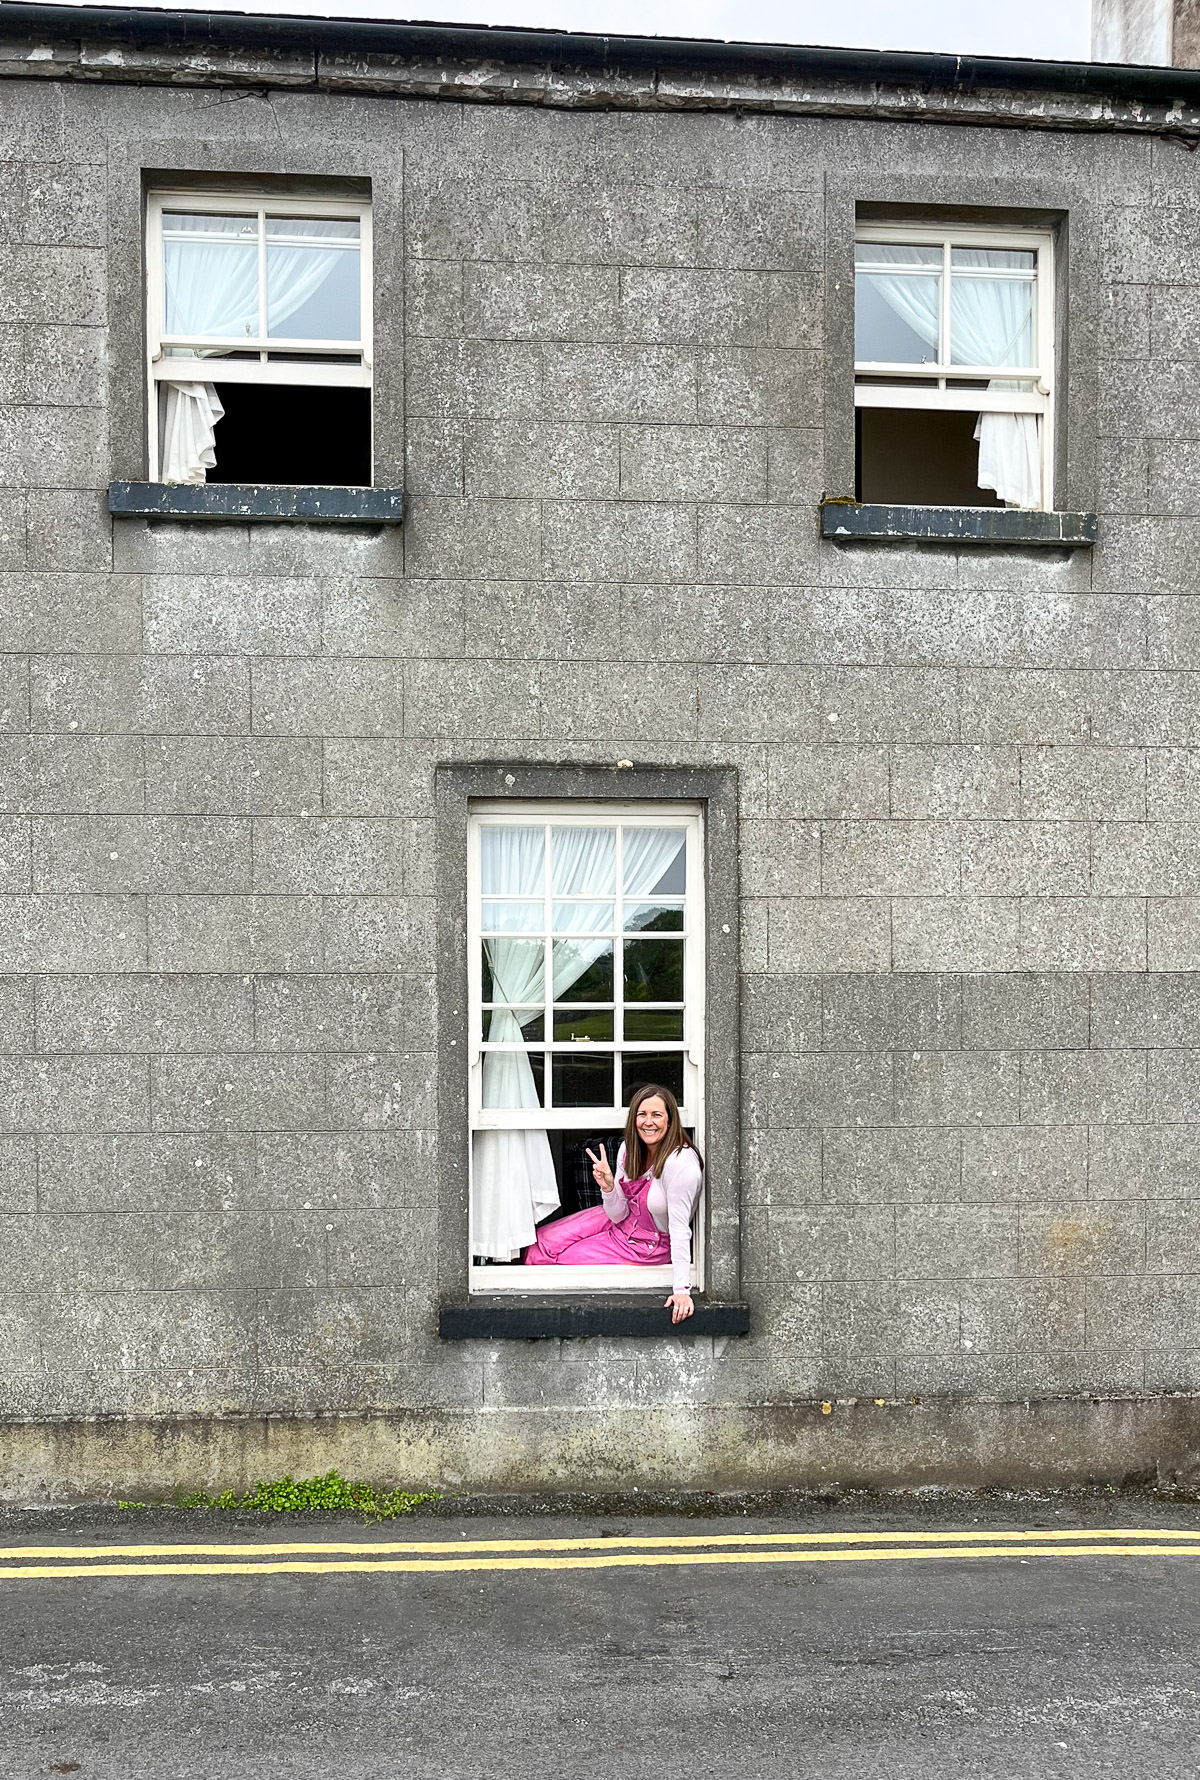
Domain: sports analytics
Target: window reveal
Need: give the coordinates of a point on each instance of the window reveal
(953, 366)
(586, 975)
(275, 299)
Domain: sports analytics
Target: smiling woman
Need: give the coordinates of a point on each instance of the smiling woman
(646, 1214)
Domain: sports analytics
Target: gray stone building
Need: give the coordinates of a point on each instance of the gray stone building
(529, 564)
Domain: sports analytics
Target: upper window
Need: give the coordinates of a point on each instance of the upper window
(586, 974)
(953, 371)
(275, 297)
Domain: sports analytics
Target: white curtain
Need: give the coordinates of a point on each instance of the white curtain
(991, 325)
(513, 1183)
(211, 287)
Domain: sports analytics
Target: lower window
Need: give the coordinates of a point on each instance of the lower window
(586, 974)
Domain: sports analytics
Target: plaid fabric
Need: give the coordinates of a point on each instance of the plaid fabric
(579, 1189)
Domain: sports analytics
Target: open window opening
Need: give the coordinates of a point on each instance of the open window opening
(953, 366)
(258, 333)
(586, 977)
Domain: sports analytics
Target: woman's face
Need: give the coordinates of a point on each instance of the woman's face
(651, 1121)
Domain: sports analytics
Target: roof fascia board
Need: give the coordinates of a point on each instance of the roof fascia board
(578, 70)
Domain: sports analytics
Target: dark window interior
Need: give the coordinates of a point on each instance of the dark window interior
(919, 457)
(291, 434)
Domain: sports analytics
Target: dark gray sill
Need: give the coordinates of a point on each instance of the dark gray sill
(849, 522)
(535, 1319)
(245, 503)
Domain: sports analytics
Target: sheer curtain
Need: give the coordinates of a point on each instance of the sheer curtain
(991, 322)
(513, 1182)
(211, 287)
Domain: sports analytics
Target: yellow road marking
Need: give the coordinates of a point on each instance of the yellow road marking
(616, 1542)
(613, 1560)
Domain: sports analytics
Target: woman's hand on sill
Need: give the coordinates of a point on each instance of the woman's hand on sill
(680, 1306)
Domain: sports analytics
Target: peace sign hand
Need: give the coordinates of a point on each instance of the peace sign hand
(602, 1173)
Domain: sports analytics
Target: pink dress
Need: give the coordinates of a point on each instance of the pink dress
(590, 1238)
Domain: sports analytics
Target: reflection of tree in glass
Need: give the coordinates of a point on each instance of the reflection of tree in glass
(653, 970)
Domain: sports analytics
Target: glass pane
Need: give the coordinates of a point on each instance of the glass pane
(512, 861)
(514, 1078)
(583, 1080)
(583, 1026)
(211, 280)
(583, 971)
(999, 259)
(584, 861)
(888, 253)
(663, 1068)
(655, 861)
(653, 917)
(654, 970)
(503, 1025)
(312, 228)
(654, 1025)
(583, 917)
(896, 318)
(513, 917)
(514, 970)
(312, 293)
(991, 322)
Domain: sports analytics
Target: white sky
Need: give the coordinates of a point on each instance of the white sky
(1054, 29)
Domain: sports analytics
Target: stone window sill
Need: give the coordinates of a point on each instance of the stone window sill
(248, 503)
(524, 1319)
(848, 522)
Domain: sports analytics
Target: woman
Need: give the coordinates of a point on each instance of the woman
(646, 1213)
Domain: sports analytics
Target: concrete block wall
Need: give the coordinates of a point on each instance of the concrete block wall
(970, 824)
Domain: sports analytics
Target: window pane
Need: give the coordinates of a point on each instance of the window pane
(655, 861)
(583, 861)
(663, 1068)
(653, 917)
(991, 321)
(514, 1078)
(896, 318)
(513, 917)
(183, 222)
(583, 971)
(514, 970)
(583, 1026)
(997, 258)
(583, 1080)
(312, 293)
(503, 1025)
(211, 279)
(583, 917)
(312, 228)
(654, 970)
(653, 1024)
(512, 861)
(888, 253)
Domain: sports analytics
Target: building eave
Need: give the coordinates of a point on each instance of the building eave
(579, 70)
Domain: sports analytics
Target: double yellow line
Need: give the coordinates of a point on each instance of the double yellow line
(309, 1558)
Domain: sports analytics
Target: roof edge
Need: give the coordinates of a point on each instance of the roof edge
(1106, 95)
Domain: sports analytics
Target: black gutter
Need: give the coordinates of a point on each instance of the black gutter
(569, 49)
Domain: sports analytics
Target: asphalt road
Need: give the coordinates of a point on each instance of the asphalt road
(779, 1663)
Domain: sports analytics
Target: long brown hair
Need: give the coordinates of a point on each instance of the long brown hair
(637, 1158)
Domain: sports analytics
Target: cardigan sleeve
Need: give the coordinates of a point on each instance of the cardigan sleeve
(681, 1184)
(615, 1203)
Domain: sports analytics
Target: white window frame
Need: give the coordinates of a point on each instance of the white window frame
(354, 373)
(1039, 400)
(515, 1277)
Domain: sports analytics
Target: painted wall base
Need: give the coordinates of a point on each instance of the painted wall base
(948, 1442)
